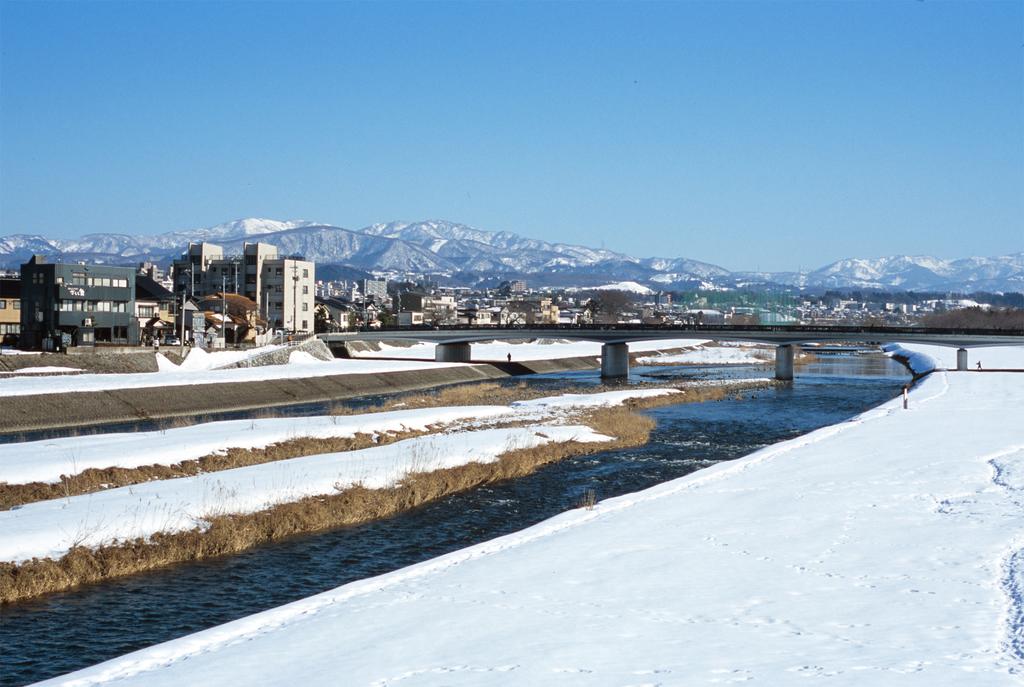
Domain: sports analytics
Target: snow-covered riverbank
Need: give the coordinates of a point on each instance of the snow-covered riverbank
(884, 550)
(48, 459)
(925, 358)
(544, 349)
(302, 366)
(49, 529)
(716, 355)
(201, 367)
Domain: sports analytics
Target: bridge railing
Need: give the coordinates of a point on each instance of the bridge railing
(765, 328)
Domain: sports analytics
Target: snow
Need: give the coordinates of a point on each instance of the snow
(631, 286)
(924, 357)
(168, 376)
(541, 349)
(628, 286)
(602, 399)
(47, 459)
(199, 359)
(200, 367)
(302, 358)
(884, 550)
(49, 529)
(6, 350)
(729, 355)
(45, 369)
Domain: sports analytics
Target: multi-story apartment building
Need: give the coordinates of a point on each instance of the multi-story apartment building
(76, 305)
(429, 309)
(287, 293)
(241, 275)
(189, 271)
(283, 289)
(377, 289)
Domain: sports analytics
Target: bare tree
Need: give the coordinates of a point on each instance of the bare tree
(977, 318)
(607, 307)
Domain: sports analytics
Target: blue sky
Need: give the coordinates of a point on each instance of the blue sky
(762, 135)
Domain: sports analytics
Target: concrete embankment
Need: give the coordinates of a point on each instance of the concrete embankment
(52, 411)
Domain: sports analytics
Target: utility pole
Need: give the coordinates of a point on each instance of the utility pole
(224, 308)
(181, 339)
(295, 298)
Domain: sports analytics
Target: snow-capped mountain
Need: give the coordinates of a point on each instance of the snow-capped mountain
(481, 251)
(253, 228)
(472, 255)
(922, 272)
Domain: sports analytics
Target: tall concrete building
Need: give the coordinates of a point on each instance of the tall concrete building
(189, 271)
(376, 289)
(282, 288)
(287, 294)
(255, 254)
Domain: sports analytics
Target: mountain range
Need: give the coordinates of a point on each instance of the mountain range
(464, 255)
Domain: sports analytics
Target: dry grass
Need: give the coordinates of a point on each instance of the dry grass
(803, 357)
(229, 534)
(482, 393)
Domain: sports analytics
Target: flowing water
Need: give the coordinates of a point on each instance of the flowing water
(62, 632)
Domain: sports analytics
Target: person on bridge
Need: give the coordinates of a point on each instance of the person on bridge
(510, 357)
(979, 364)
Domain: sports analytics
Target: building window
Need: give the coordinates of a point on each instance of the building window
(305, 324)
(147, 311)
(305, 273)
(77, 279)
(305, 290)
(305, 307)
(17, 305)
(3, 305)
(120, 306)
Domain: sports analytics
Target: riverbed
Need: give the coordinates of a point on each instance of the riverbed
(62, 632)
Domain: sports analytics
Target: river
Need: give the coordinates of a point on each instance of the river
(62, 632)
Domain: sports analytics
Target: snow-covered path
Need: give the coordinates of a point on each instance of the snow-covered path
(879, 551)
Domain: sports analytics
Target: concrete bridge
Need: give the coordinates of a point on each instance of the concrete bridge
(453, 343)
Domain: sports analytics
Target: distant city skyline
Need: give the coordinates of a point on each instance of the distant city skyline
(770, 136)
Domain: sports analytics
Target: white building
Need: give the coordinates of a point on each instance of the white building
(376, 289)
(288, 287)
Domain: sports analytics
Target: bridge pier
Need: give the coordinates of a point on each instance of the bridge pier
(961, 359)
(451, 353)
(784, 363)
(614, 360)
